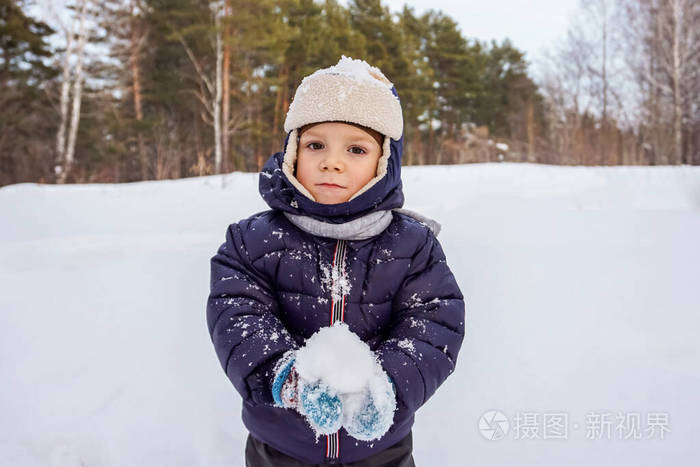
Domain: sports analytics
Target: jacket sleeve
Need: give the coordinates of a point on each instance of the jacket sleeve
(242, 316)
(427, 329)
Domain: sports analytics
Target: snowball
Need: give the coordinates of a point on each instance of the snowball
(340, 358)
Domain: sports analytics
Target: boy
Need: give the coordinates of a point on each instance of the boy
(334, 314)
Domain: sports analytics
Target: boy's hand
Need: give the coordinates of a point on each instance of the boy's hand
(289, 393)
(369, 415)
(285, 382)
(321, 406)
(318, 402)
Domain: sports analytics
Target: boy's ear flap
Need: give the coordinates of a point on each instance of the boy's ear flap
(289, 164)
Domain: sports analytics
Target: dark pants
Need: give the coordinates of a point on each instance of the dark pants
(259, 454)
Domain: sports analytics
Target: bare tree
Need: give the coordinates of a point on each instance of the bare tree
(565, 84)
(137, 38)
(218, 11)
(65, 96)
(210, 93)
(226, 85)
(664, 36)
(594, 35)
(71, 92)
(627, 66)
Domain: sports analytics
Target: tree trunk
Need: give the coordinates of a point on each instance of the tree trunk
(63, 106)
(530, 131)
(677, 92)
(605, 62)
(135, 50)
(218, 95)
(226, 110)
(258, 140)
(77, 97)
(604, 140)
(279, 104)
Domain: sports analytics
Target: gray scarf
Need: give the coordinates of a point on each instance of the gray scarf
(358, 229)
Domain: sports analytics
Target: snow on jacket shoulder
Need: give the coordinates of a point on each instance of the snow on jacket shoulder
(270, 291)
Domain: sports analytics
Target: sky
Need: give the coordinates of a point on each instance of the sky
(531, 25)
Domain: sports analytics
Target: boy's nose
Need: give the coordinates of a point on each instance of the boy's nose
(333, 162)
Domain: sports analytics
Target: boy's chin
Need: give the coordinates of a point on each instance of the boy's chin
(330, 196)
(331, 200)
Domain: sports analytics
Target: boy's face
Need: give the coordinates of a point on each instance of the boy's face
(335, 160)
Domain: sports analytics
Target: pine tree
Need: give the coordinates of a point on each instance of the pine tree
(507, 90)
(25, 146)
(417, 90)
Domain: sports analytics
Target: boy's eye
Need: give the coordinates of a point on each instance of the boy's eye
(357, 150)
(314, 145)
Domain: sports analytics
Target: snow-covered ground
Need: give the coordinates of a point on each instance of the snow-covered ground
(582, 288)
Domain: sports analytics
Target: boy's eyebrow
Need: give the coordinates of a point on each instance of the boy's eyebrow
(360, 137)
(311, 133)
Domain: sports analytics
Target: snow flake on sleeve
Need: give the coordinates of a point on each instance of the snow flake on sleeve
(406, 344)
(384, 256)
(299, 255)
(415, 301)
(279, 234)
(416, 323)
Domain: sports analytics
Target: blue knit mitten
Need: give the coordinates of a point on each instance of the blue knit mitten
(316, 401)
(371, 414)
(321, 406)
(284, 383)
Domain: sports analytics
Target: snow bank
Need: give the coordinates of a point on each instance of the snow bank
(580, 285)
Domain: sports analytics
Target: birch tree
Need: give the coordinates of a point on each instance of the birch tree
(665, 57)
(218, 11)
(137, 38)
(71, 91)
(226, 85)
(210, 92)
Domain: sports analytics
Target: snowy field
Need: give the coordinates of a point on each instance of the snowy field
(582, 288)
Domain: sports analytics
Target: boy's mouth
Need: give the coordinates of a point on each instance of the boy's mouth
(329, 185)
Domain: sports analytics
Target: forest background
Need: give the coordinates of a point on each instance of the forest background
(128, 90)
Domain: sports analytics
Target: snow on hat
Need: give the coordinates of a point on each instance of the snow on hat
(351, 91)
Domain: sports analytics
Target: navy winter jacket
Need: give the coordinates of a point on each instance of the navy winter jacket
(268, 296)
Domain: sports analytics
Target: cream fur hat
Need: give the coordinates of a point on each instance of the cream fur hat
(351, 91)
